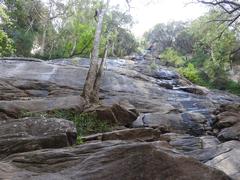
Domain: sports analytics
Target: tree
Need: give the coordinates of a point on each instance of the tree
(116, 27)
(25, 16)
(6, 43)
(88, 89)
(125, 43)
(229, 16)
(165, 36)
(230, 7)
(91, 86)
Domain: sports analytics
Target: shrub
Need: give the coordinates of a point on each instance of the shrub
(153, 65)
(190, 72)
(233, 87)
(86, 123)
(6, 44)
(173, 57)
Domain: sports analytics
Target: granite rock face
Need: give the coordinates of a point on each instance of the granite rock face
(107, 160)
(170, 128)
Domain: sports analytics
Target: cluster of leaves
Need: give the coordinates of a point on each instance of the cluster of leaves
(190, 72)
(6, 43)
(23, 23)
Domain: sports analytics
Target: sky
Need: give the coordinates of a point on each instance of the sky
(146, 14)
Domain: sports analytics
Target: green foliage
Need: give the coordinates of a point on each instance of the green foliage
(173, 57)
(125, 43)
(199, 55)
(79, 140)
(89, 124)
(86, 123)
(153, 65)
(215, 43)
(74, 39)
(170, 35)
(6, 45)
(57, 29)
(233, 87)
(202, 50)
(190, 72)
(25, 17)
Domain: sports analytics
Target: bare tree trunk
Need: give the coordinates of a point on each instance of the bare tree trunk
(73, 48)
(93, 69)
(96, 87)
(43, 41)
(113, 49)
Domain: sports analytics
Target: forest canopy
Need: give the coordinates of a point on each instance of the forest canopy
(54, 29)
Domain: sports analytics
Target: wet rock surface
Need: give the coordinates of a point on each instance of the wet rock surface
(171, 129)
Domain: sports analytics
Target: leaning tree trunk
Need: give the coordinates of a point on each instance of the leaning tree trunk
(96, 86)
(74, 47)
(93, 69)
(43, 41)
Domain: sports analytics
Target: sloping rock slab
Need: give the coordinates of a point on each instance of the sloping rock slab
(29, 134)
(195, 90)
(108, 160)
(182, 142)
(139, 134)
(165, 74)
(186, 143)
(15, 108)
(172, 122)
(225, 157)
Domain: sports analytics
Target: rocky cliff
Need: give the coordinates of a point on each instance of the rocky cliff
(173, 129)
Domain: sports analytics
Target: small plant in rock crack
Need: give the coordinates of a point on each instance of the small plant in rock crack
(25, 113)
(79, 140)
(86, 123)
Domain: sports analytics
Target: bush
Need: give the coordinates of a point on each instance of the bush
(86, 123)
(6, 45)
(233, 87)
(173, 57)
(190, 72)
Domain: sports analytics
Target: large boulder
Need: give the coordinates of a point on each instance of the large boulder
(231, 133)
(108, 160)
(22, 135)
(165, 74)
(175, 122)
(115, 114)
(228, 123)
